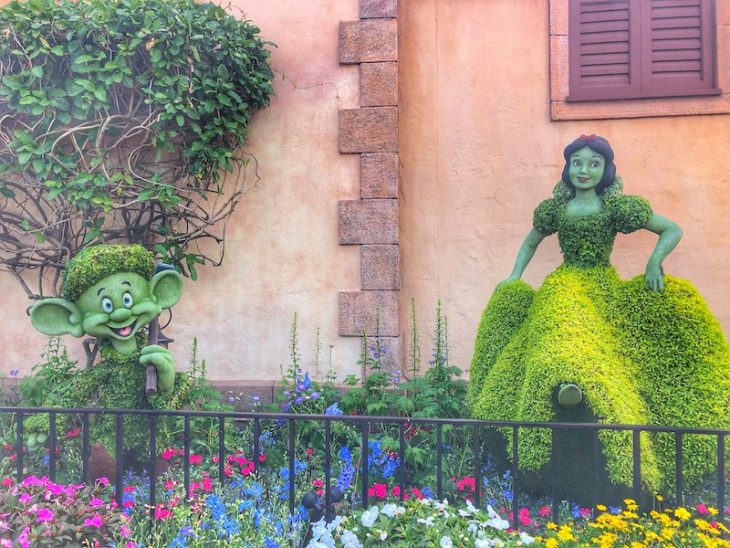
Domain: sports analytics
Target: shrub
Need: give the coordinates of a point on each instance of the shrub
(118, 119)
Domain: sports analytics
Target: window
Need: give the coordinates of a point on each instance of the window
(629, 49)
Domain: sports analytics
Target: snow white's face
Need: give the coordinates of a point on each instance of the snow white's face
(586, 168)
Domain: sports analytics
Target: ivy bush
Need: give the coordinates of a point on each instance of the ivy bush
(119, 116)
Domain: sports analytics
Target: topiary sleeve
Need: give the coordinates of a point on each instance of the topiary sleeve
(631, 213)
(545, 218)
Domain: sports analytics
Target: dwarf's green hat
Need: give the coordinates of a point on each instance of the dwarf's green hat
(92, 264)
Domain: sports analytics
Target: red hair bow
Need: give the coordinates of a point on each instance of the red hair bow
(591, 137)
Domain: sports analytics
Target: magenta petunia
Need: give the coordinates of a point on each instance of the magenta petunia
(44, 515)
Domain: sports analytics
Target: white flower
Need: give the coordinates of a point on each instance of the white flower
(350, 540)
(526, 539)
(428, 521)
(400, 511)
(389, 510)
(383, 535)
(445, 542)
(472, 527)
(369, 516)
(496, 521)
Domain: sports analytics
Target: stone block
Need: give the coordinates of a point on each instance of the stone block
(368, 41)
(370, 9)
(378, 84)
(379, 175)
(380, 267)
(358, 310)
(368, 222)
(368, 130)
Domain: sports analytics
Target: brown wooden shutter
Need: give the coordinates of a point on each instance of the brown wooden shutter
(621, 49)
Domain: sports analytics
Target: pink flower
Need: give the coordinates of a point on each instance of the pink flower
(168, 453)
(44, 514)
(130, 544)
(124, 530)
(25, 498)
(162, 513)
(524, 516)
(7, 482)
(95, 522)
(196, 459)
(96, 502)
(6, 543)
(584, 512)
(545, 511)
(206, 484)
(104, 481)
(129, 488)
(169, 485)
(73, 433)
(262, 458)
(702, 509)
(23, 538)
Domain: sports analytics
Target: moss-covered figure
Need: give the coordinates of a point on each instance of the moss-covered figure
(112, 293)
(587, 346)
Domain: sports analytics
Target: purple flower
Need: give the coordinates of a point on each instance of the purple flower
(315, 395)
(96, 521)
(14, 372)
(44, 514)
(298, 400)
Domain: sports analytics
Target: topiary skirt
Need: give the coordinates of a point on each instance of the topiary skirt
(640, 357)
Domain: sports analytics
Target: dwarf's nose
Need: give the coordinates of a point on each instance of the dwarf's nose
(120, 314)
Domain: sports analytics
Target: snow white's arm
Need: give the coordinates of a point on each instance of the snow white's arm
(669, 235)
(527, 250)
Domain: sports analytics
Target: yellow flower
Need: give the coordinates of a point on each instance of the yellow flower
(551, 543)
(660, 498)
(682, 513)
(601, 508)
(565, 534)
(668, 533)
(551, 525)
(712, 511)
(636, 544)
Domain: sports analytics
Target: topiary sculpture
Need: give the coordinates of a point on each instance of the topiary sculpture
(587, 346)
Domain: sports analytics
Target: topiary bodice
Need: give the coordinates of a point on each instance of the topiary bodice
(587, 240)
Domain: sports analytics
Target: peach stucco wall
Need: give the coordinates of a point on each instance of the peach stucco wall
(479, 151)
(282, 252)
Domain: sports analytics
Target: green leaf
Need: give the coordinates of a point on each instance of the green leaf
(5, 191)
(25, 225)
(37, 71)
(24, 157)
(100, 93)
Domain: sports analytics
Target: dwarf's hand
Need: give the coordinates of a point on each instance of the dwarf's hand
(162, 360)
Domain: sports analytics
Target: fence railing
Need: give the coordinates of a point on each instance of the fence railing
(15, 417)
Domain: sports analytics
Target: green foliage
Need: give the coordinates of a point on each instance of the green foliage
(588, 240)
(94, 263)
(119, 118)
(641, 357)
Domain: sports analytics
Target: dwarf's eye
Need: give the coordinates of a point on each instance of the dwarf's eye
(107, 305)
(127, 300)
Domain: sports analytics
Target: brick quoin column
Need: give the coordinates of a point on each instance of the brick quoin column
(372, 132)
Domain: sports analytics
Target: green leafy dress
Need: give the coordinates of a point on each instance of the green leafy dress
(639, 356)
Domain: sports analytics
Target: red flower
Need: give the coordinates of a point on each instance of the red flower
(417, 493)
(309, 451)
(262, 458)
(702, 509)
(524, 516)
(545, 511)
(7, 482)
(169, 485)
(317, 483)
(396, 491)
(196, 459)
(162, 513)
(129, 488)
(381, 490)
(73, 433)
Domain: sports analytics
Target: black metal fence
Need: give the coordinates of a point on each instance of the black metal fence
(364, 424)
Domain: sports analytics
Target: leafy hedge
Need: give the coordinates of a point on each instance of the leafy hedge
(641, 357)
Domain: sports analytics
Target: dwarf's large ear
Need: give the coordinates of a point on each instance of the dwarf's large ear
(56, 317)
(167, 287)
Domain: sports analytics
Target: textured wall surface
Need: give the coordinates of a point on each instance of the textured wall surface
(478, 152)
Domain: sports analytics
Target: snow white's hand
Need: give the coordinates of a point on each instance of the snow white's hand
(510, 278)
(654, 277)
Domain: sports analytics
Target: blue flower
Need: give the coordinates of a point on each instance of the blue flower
(270, 543)
(427, 492)
(245, 505)
(333, 410)
(307, 381)
(345, 454)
